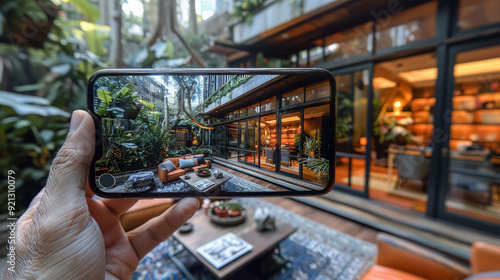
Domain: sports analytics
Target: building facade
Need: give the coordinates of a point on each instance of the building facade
(418, 98)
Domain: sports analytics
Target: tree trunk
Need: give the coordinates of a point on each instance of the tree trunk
(192, 17)
(104, 9)
(116, 50)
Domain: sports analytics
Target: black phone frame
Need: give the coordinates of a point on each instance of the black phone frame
(211, 71)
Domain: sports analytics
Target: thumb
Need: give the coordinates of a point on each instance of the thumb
(70, 168)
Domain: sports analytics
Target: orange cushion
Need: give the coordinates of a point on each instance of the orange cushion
(176, 172)
(378, 272)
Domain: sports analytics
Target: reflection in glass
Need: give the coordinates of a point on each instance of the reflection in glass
(477, 13)
(268, 105)
(291, 133)
(408, 26)
(316, 122)
(293, 97)
(352, 92)
(349, 43)
(318, 90)
(232, 140)
(268, 142)
(474, 173)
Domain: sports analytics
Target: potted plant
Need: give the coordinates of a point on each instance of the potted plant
(234, 209)
(221, 209)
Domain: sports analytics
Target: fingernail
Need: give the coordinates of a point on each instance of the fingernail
(76, 120)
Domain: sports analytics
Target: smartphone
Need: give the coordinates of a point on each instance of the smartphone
(209, 132)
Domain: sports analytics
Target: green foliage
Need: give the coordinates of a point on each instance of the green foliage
(145, 146)
(30, 131)
(312, 160)
(90, 11)
(120, 103)
(245, 9)
(200, 149)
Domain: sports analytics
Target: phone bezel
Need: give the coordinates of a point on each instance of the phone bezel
(211, 71)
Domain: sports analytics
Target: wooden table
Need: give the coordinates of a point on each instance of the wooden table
(195, 179)
(205, 231)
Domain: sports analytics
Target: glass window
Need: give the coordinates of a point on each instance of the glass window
(268, 142)
(315, 56)
(243, 112)
(303, 59)
(290, 143)
(476, 13)
(254, 109)
(268, 105)
(315, 145)
(318, 90)
(232, 141)
(403, 108)
(293, 97)
(236, 114)
(218, 140)
(475, 136)
(351, 42)
(352, 95)
(409, 26)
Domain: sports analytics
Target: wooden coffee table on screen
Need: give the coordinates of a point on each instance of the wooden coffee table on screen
(205, 231)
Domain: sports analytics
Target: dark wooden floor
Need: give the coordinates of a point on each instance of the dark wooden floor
(335, 222)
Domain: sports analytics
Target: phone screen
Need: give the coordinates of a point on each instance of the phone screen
(162, 135)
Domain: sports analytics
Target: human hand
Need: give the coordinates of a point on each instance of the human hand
(65, 234)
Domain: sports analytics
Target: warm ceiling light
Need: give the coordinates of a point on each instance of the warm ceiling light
(419, 75)
(290, 119)
(381, 83)
(397, 104)
(462, 69)
(363, 141)
(478, 67)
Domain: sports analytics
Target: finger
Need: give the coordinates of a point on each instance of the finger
(88, 192)
(146, 237)
(25, 219)
(70, 169)
(119, 206)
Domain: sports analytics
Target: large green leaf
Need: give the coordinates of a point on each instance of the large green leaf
(104, 95)
(87, 9)
(150, 106)
(21, 104)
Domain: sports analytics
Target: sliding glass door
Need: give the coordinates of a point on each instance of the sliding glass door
(290, 144)
(352, 132)
(248, 145)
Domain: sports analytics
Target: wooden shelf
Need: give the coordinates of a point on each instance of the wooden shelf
(478, 141)
(475, 123)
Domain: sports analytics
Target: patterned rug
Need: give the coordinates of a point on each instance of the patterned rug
(235, 184)
(315, 251)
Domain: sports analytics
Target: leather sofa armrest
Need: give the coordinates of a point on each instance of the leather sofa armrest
(485, 257)
(399, 254)
(162, 174)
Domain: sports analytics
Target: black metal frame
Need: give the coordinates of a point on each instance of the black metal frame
(442, 175)
(350, 71)
(208, 71)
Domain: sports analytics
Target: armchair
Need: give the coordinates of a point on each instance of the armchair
(400, 259)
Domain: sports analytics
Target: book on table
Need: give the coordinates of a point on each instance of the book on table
(224, 249)
(203, 184)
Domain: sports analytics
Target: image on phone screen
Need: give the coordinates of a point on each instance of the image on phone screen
(163, 134)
